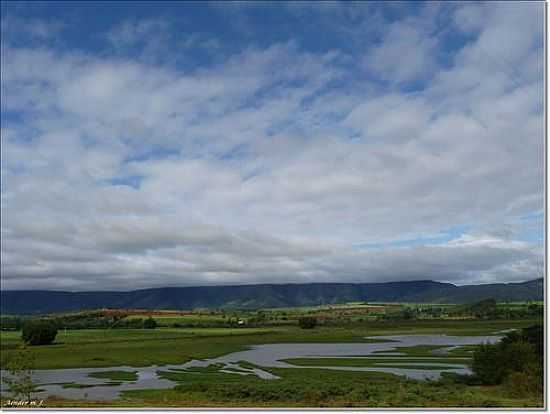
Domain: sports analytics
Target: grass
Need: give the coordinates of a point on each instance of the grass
(396, 362)
(464, 351)
(297, 387)
(248, 365)
(183, 319)
(310, 388)
(86, 348)
(142, 347)
(206, 369)
(115, 375)
(417, 350)
(74, 385)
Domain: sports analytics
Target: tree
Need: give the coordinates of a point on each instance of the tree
(408, 314)
(517, 352)
(307, 322)
(535, 336)
(149, 323)
(39, 332)
(20, 368)
(10, 323)
(535, 309)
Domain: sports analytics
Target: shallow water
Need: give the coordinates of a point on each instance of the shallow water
(268, 356)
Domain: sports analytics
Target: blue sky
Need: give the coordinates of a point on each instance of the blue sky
(179, 143)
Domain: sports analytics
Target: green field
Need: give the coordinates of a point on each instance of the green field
(311, 388)
(142, 347)
(297, 387)
(193, 319)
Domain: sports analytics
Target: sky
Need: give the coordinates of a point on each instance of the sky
(148, 144)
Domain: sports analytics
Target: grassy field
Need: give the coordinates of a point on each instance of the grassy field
(297, 387)
(310, 388)
(142, 347)
(323, 388)
(136, 347)
(193, 319)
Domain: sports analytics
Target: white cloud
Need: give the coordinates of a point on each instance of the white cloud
(405, 54)
(274, 171)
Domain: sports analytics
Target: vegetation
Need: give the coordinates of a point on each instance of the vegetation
(307, 322)
(516, 360)
(149, 323)
(376, 362)
(139, 347)
(253, 297)
(516, 386)
(313, 388)
(11, 323)
(39, 332)
(86, 348)
(116, 375)
(486, 309)
(20, 368)
(326, 315)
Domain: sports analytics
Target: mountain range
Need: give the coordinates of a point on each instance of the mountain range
(265, 296)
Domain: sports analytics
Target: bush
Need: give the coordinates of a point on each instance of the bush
(307, 322)
(493, 363)
(11, 323)
(20, 367)
(535, 336)
(525, 383)
(39, 332)
(149, 323)
(486, 365)
(516, 360)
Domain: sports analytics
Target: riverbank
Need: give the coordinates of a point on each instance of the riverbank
(139, 347)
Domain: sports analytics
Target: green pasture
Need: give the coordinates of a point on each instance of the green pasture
(142, 347)
(297, 387)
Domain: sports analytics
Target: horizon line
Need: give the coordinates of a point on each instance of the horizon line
(269, 284)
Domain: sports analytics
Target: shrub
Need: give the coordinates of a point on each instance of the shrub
(523, 384)
(517, 356)
(20, 367)
(39, 332)
(515, 353)
(484, 309)
(307, 322)
(535, 336)
(149, 323)
(11, 323)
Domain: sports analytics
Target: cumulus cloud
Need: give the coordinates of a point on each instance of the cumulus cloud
(277, 163)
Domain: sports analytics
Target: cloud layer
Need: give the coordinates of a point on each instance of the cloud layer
(408, 148)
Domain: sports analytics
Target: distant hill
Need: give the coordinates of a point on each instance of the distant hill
(265, 296)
